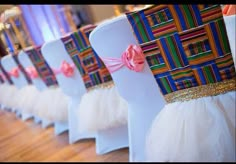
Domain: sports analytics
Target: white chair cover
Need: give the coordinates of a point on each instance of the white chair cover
(54, 53)
(106, 140)
(20, 82)
(110, 39)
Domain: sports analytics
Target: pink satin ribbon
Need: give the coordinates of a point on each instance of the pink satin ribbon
(65, 68)
(14, 72)
(32, 72)
(133, 58)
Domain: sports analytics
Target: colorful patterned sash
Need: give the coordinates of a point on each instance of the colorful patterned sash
(186, 46)
(5, 74)
(90, 66)
(42, 67)
(21, 68)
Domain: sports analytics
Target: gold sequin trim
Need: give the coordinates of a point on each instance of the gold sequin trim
(202, 91)
(103, 85)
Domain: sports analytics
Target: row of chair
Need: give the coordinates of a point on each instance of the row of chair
(76, 68)
(58, 96)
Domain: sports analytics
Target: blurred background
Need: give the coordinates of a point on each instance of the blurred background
(22, 26)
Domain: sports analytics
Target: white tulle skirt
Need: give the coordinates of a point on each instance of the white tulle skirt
(26, 99)
(200, 130)
(100, 109)
(52, 105)
(8, 95)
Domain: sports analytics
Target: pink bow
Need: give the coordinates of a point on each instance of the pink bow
(65, 68)
(133, 58)
(32, 72)
(14, 72)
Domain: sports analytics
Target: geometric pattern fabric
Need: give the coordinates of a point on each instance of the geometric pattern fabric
(185, 45)
(90, 66)
(21, 68)
(42, 67)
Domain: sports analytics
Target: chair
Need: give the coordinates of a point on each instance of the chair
(52, 107)
(230, 28)
(37, 82)
(187, 50)
(129, 83)
(7, 90)
(22, 82)
(54, 53)
(65, 49)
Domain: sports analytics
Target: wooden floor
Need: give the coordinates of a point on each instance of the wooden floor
(28, 142)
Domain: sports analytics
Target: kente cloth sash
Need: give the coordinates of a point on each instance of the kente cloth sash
(92, 70)
(5, 75)
(21, 68)
(43, 69)
(185, 46)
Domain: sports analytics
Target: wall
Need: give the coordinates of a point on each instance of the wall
(101, 12)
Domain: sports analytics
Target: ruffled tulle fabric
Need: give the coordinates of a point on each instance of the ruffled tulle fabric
(27, 96)
(8, 95)
(52, 104)
(19, 98)
(3, 93)
(200, 130)
(101, 109)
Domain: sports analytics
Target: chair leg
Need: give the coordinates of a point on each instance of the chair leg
(37, 120)
(112, 139)
(2, 106)
(60, 127)
(139, 122)
(26, 116)
(46, 123)
(74, 133)
(18, 114)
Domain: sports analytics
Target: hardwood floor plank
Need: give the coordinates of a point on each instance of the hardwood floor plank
(28, 142)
